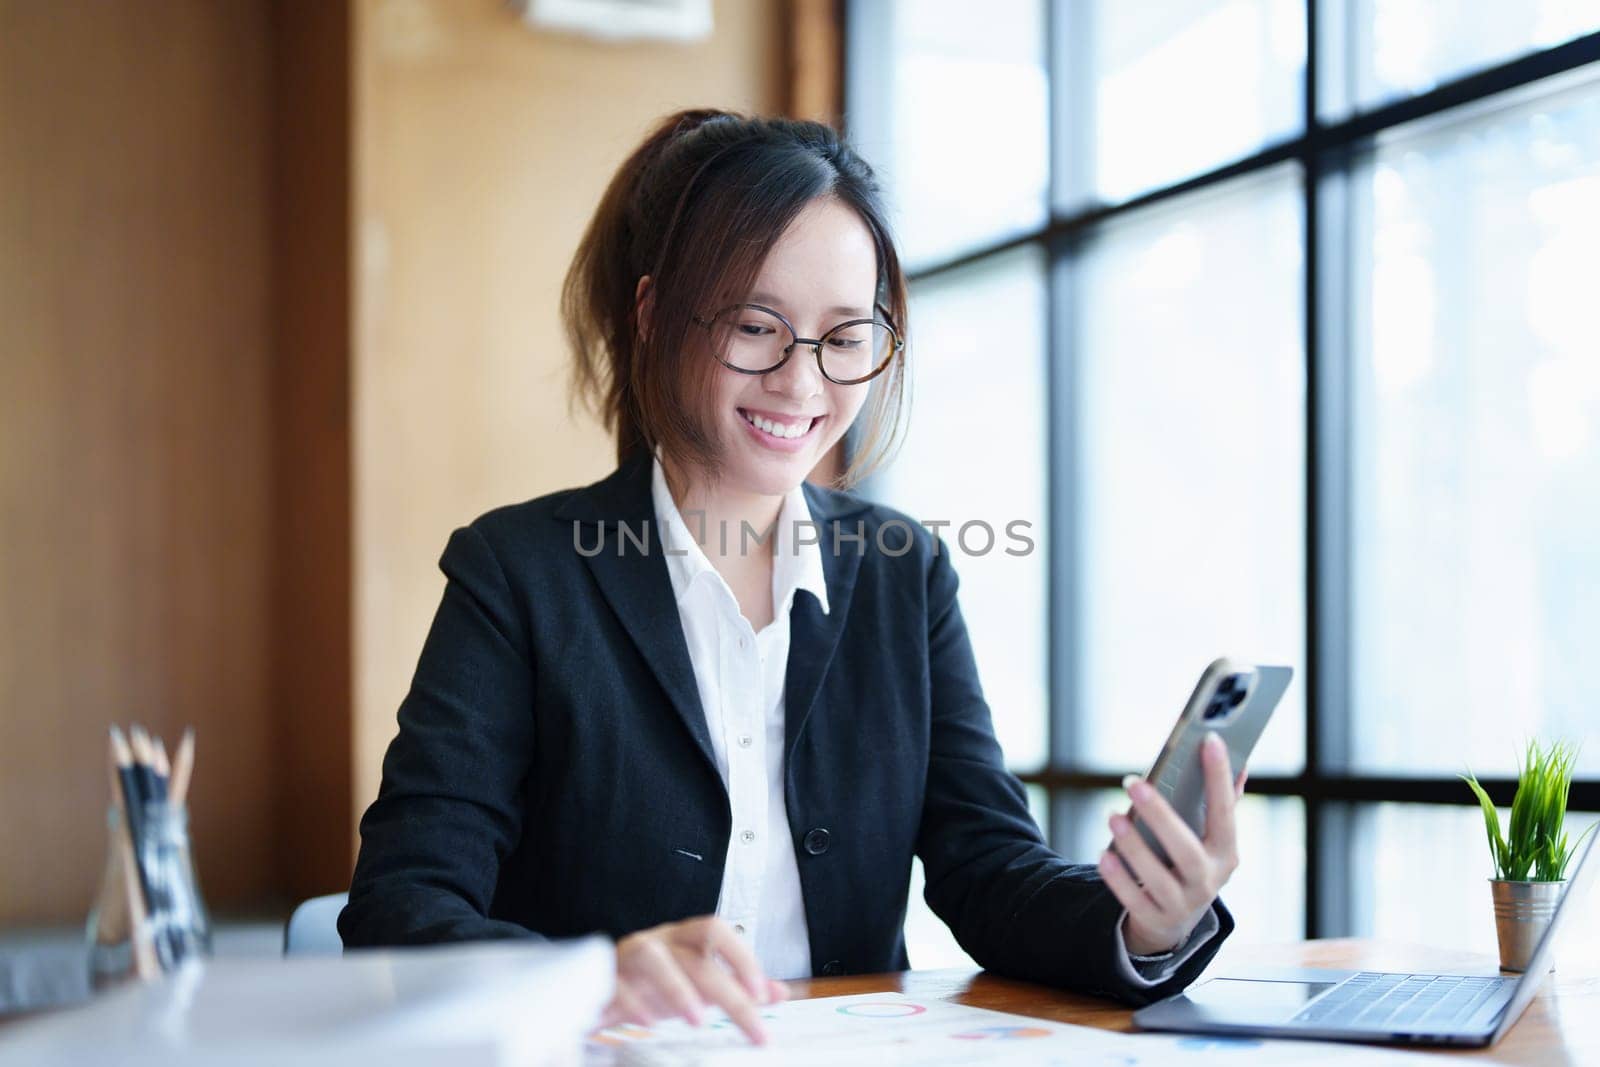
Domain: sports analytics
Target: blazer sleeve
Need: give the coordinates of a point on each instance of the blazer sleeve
(449, 807)
(1015, 906)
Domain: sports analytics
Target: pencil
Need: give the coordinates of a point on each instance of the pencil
(153, 787)
(132, 793)
(182, 768)
(143, 757)
(162, 768)
(135, 891)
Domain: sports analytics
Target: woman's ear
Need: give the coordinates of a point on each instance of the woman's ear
(643, 299)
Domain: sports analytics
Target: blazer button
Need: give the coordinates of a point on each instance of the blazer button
(833, 968)
(816, 841)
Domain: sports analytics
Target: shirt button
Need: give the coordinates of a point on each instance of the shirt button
(738, 928)
(748, 836)
(745, 740)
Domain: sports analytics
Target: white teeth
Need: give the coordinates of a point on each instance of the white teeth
(777, 429)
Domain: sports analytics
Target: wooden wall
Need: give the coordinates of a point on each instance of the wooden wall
(135, 503)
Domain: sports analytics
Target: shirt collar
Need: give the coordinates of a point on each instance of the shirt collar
(797, 560)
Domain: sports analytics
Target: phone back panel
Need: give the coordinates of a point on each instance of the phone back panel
(1178, 772)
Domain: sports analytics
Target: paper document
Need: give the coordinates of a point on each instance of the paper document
(879, 1029)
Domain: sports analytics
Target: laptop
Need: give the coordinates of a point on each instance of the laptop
(1389, 1008)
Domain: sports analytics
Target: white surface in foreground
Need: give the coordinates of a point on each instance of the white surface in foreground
(494, 1003)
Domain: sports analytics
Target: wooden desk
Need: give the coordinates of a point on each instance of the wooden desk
(1561, 1026)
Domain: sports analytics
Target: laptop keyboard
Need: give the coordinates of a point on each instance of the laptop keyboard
(1372, 999)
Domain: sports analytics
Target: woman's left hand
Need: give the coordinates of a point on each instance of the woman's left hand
(1164, 904)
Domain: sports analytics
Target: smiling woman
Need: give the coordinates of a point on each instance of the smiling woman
(727, 758)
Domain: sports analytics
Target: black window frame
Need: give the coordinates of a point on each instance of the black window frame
(1329, 790)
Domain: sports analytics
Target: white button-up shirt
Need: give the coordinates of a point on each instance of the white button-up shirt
(740, 676)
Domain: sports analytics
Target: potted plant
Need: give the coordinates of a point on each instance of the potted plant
(1530, 858)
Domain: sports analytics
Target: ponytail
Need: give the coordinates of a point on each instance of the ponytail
(597, 297)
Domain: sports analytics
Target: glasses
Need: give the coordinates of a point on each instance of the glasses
(755, 339)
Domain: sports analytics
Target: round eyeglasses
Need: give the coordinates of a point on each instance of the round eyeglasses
(755, 339)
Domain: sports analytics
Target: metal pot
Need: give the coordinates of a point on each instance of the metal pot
(1522, 912)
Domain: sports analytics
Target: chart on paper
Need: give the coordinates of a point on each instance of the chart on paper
(892, 1028)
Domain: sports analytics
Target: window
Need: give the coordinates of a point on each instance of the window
(1419, 848)
(980, 353)
(929, 67)
(1395, 48)
(1185, 552)
(1476, 436)
(1241, 63)
(1296, 361)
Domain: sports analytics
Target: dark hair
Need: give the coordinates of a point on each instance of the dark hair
(697, 207)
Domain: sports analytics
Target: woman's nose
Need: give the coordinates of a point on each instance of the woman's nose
(800, 377)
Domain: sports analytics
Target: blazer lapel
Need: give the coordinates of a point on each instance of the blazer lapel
(635, 583)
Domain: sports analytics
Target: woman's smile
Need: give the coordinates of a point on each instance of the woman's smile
(781, 432)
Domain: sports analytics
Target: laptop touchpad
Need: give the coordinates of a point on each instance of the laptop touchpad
(1250, 1000)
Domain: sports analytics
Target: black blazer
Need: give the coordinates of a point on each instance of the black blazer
(553, 774)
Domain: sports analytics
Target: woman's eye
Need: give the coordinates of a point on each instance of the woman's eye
(753, 329)
(845, 342)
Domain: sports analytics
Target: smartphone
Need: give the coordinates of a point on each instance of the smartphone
(1234, 700)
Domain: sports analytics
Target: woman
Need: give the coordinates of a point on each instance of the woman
(713, 710)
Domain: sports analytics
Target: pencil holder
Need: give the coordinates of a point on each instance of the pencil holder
(149, 916)
(182, 929)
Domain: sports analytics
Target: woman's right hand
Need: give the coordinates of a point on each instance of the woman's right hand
(676, 969)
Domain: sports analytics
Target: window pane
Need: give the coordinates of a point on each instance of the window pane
(1266, 894)
(1400, 47)
(949, 101)
(1173, 88)
(1476, 440)
(975, 454)
(1423, 873)
(1191, 405)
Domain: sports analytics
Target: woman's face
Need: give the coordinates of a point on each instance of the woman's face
(823, 271)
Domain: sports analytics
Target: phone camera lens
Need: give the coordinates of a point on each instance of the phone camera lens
(1231, 692)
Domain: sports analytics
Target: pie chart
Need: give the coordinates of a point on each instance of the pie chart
(1001, 1033)
(882, 1009)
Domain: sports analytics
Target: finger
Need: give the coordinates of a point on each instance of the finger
(1238, 783)
(626, 1007)
(1181, 844)
(656, 1005)
(1120, 881)
(780, 992)
(1162, 885)
(1219, 795)
(668, 988)
(721, 988)
(738, 954)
